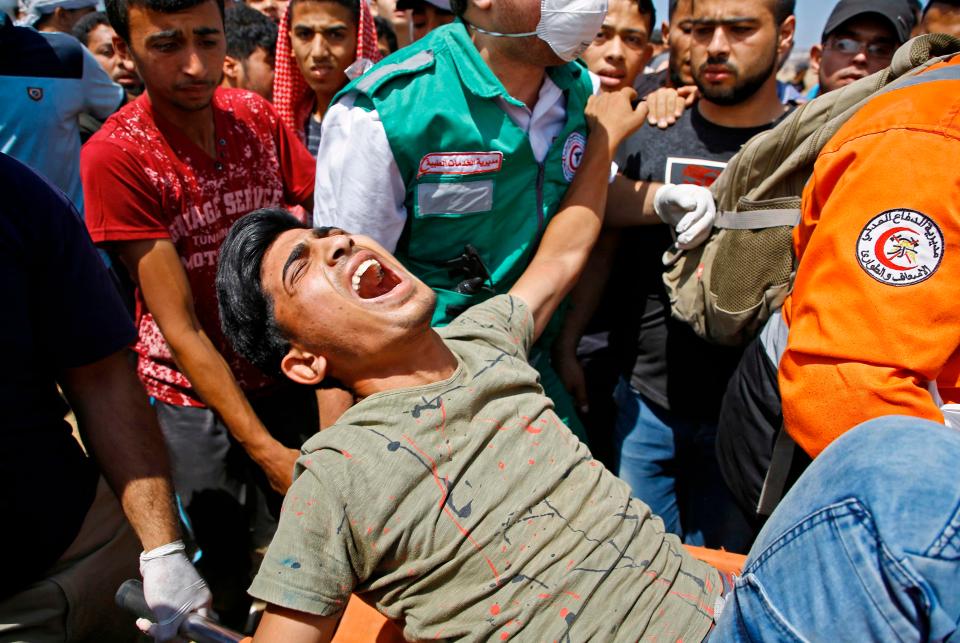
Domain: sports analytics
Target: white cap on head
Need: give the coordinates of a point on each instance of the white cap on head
(33, 10)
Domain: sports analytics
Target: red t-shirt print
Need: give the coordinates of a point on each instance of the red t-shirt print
(143, 179)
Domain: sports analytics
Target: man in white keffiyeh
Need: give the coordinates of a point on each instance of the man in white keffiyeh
(55, 15)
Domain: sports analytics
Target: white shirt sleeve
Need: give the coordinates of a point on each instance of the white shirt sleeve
(358, 184)
(101, 96)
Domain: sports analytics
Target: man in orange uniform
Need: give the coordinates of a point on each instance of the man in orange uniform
(871, 319)
(874, 321)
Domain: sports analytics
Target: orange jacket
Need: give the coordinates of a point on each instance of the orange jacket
(875, 312)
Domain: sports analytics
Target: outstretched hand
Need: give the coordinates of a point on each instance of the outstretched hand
(613, 115)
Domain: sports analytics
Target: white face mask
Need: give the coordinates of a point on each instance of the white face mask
(568, 26)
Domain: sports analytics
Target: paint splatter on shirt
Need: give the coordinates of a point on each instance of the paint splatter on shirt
(466, 510)
(144, 179)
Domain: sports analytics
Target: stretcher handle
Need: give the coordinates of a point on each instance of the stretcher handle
(194, 628)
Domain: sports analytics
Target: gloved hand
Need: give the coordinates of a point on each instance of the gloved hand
(689, 209)
(172, 588)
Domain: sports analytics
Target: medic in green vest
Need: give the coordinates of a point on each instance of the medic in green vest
(486, 130)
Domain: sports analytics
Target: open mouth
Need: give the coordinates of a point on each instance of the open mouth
(372, 280)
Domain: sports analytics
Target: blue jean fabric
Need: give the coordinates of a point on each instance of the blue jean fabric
(670, 464)
(865, 546)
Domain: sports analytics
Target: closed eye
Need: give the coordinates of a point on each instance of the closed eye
(295, 261)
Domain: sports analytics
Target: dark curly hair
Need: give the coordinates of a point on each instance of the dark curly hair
(246, 311)
(247, 29)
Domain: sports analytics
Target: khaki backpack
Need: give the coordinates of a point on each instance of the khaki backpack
(730, 285)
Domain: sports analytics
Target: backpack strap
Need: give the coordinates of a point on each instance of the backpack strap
(775, 482)
(773, 338)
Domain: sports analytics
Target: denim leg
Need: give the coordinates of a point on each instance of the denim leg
(709, 515)
(865, 547)
(647, 455)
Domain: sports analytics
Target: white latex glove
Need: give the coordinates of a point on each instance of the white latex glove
(172, 588)
(689, 209)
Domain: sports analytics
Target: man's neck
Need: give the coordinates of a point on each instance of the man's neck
(763, 108)
(195, 125)
(521, 80)
(424, 359)
(322, 105)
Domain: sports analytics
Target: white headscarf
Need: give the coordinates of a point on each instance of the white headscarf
(33, 10)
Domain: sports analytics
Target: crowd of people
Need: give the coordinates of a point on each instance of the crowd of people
(368, 297)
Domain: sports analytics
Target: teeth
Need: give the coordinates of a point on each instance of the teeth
(358, 275)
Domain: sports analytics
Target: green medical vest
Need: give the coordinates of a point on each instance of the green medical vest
(470, 174)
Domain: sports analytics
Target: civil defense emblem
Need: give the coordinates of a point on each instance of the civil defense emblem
(35, 93)
(573, 155)
(900, 247)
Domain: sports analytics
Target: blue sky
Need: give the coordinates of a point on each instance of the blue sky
(811, 16)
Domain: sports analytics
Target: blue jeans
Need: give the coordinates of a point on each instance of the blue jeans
(670, 464)
(865, 546)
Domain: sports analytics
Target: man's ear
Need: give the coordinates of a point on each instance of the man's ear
(647, 55)
(231, 70)
(816, 53)
(787, 31)
(304, 367)
(482, 5)
(59, 17)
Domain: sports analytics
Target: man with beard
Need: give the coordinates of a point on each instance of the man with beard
(672, 382)
(163, 180)
(676, 35)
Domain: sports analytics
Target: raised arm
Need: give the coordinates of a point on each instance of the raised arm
(157, 269)
(569, 237)
(630, 203)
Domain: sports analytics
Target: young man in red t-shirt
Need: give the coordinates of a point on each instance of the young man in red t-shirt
(164, 180)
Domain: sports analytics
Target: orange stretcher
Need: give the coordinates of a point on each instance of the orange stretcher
(361, 623)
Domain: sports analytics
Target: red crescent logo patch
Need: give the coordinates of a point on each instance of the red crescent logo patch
(900, 247)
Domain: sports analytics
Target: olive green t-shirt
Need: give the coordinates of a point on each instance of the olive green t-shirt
(466, 510)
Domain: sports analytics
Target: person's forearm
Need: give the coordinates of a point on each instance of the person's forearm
(586, 294)
(630, 203)
(212, 379)
(283, 625)
(120, 430)
(572, 232)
